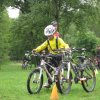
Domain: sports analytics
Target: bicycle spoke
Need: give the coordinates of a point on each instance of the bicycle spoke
(64, 84)
(34, 82)
(89, 74)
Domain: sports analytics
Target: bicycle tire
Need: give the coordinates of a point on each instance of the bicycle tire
(88, 73)
(24, 65)
(64, 85)
(35, 74)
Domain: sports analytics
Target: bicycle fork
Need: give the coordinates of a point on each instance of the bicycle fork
(69, 68)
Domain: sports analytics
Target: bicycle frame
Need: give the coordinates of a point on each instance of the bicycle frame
(67, 61)
(77, 67)
(43, 67)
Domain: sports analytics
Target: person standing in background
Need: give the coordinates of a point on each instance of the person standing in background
(55, 24)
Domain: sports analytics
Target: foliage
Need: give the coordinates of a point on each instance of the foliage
(28, 32)
(73, 16)
(70, 36)
(22, 37)
(98, 41)
(4, 35)
(87, 40)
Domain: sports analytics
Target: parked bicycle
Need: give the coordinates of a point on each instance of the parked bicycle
(83, 70)
(27, 60)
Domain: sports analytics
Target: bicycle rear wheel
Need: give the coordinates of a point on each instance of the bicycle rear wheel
(34, 81)
(64, 84)
(88, 74)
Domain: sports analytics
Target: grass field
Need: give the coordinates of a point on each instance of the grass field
(13, 86)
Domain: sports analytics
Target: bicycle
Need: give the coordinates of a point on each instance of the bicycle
(27, 61)
(35, 78)
(83, 71)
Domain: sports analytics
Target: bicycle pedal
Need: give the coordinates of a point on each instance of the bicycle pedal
(82, 79)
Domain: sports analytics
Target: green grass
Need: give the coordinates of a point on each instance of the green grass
(13, 86)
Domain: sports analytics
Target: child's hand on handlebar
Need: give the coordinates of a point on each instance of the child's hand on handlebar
(68, 49)
(33, 51)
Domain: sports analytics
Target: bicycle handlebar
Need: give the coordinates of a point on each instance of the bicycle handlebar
(78, 49)
(59, 52)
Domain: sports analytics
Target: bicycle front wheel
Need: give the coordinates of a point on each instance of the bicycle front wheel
(34, 81)
(88, 74)
(63, 83)
(24, 65)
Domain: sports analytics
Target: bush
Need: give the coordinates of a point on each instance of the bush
(87, 40)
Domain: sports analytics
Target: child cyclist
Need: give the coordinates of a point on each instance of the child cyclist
(51, 45)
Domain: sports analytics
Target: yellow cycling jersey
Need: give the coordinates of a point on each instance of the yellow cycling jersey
(61, 44)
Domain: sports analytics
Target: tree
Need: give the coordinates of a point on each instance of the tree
(72, 15)
(4, 35)
(87, 40)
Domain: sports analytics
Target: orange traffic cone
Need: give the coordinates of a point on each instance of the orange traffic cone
(54, 94)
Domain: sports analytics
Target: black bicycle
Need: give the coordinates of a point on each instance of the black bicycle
(83, 70)
(27, 60)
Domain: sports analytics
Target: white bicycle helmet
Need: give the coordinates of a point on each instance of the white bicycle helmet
(49, 30)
